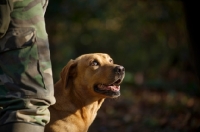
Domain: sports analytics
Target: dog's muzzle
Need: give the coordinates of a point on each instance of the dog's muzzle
(112, 89)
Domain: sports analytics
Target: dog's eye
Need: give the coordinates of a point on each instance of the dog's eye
(94, 63)
(111, 61)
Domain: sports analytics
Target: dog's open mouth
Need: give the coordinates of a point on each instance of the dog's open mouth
(112, 90)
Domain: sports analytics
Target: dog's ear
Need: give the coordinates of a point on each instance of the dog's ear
(67, 72)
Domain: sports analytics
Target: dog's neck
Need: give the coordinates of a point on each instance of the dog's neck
(69, 101)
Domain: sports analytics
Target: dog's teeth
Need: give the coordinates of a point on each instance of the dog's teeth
(101, 86)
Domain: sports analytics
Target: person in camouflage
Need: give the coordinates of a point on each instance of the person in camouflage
(26, 84)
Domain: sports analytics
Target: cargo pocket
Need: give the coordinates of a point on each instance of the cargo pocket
(19, 60)
(6, 7)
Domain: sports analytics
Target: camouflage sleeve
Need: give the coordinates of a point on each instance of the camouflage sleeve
(26, 84)
(6, 6)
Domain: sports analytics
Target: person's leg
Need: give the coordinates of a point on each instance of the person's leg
(21, 127)
(26, 84)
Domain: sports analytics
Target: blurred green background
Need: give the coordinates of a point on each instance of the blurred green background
(160, 92)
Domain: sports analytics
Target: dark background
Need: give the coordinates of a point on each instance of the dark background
(154, 40)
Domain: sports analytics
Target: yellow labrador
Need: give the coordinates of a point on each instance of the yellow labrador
(84, 84)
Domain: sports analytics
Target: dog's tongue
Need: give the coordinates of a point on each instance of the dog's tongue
(111, 87)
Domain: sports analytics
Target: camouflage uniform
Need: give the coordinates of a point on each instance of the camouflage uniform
(26, 84)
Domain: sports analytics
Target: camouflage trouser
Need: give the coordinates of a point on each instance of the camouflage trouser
(26, 84)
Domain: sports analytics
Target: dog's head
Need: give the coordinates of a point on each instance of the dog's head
(93, 74)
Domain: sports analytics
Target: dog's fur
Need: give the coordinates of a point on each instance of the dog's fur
(84, 84)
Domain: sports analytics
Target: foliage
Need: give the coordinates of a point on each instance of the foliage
(144, 110)
(143, 36)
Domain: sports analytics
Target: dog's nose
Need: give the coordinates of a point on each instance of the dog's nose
(119, 69)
